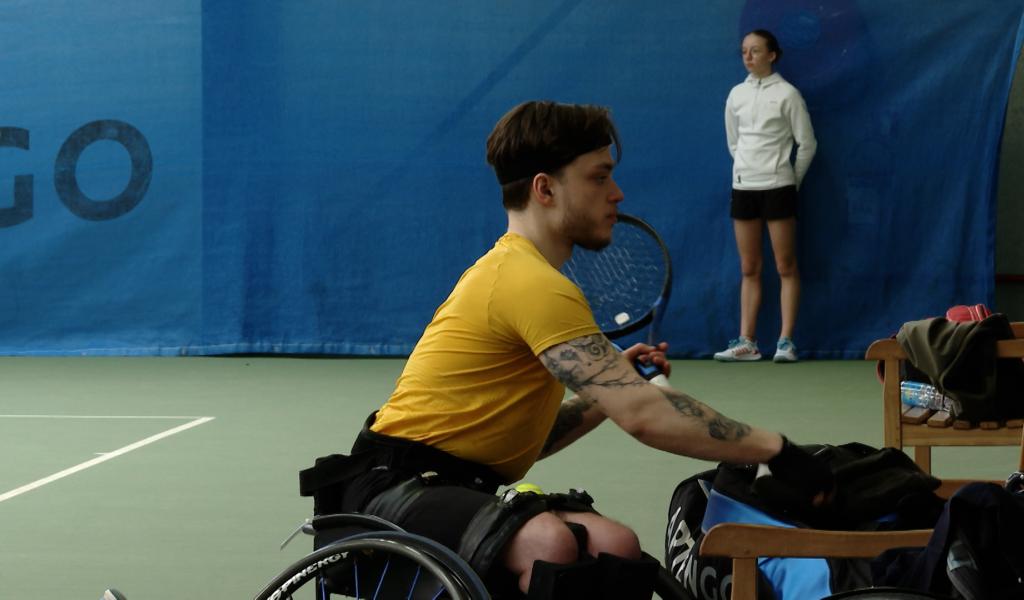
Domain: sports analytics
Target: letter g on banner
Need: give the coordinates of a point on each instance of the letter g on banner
(16, 137)
(66, 182)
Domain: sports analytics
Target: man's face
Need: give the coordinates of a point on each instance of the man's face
(590, 199)
(756, 57)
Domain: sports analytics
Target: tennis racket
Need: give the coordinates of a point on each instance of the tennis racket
(627, 284)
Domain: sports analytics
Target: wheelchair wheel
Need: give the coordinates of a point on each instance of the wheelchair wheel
(380, 565)
(351, 522)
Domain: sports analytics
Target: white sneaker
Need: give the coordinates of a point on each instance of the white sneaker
(785, 351)
(742, 348)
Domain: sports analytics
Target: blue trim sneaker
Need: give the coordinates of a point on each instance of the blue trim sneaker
(785, 351)
(740, 349)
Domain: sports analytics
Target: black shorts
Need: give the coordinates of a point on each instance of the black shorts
(443, 512)
(439, 496)
(474, 523)
(769, 205)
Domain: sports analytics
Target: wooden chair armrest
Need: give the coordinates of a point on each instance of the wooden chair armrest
(1010, 348)
(746, 543)
(740, 540)
(885, 349)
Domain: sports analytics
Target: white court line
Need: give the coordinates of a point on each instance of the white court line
(178, 417)
(100, 459)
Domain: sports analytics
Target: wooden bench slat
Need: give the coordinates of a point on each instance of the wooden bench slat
(941, 418)
(924, 429)
(915, 415)
(923, 435)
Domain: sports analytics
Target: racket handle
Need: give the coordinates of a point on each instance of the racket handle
(651, 372)
(661, 380)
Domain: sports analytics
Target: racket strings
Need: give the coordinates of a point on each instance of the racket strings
(623, 281)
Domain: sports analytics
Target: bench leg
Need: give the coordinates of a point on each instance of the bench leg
(744, 579)
(923, 458)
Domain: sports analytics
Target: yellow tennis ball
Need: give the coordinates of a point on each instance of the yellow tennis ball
(529, 488)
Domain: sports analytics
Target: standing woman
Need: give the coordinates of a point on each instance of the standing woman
(764, 117)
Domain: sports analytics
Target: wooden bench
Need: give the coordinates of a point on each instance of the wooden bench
(923, 429)
(746, 543)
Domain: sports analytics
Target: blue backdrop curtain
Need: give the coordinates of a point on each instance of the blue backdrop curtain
(185, 177)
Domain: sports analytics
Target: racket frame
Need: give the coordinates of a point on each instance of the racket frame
(655, 314)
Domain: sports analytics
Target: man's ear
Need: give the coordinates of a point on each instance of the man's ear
(541, 189)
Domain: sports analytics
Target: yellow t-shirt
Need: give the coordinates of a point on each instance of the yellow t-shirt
(473, 385)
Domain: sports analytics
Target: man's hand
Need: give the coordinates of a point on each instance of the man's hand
(647, 354)
(799, 478)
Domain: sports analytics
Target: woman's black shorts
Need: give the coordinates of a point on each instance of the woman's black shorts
(769, 205)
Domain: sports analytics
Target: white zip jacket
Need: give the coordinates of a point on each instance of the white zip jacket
(763, 118)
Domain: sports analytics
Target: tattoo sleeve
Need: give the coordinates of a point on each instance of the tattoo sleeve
(589, 360)
(570, 416)
(592, 368)
(720, 427)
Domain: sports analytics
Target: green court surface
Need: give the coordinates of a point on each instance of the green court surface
(113, 476)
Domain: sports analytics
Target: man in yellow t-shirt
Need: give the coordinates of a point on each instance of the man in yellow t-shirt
(481, 397)
(473, 386)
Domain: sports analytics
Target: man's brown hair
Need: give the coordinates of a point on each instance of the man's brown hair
(542, 137)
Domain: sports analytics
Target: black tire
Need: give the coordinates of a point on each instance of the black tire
(449, 559)
(365, 522)
(412, 554)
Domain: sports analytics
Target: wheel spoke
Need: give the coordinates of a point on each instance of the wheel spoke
(415, 579)
(355, 570)
(380, 581)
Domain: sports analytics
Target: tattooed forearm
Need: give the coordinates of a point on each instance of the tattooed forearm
(724, 428)
(719, 426)
(608, 386)
(586, 361)
(570, 416)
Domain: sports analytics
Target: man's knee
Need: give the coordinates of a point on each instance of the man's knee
(544, 537)
(609, 537)
(544, 556)
(496, 527)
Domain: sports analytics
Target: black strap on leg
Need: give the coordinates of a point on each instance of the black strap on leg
(493, 526)
(607, 577)
(579, 531)
(579, 580)
(625, 579)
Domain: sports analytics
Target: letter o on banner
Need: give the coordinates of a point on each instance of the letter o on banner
(66, 182)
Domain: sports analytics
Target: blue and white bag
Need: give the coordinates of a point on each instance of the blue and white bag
(876, 490)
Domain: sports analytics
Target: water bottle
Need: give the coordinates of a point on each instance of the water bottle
(915, 393)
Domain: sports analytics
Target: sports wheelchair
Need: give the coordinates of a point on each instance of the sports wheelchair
(366, 557)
